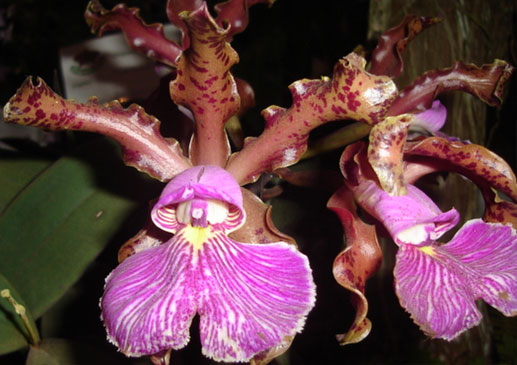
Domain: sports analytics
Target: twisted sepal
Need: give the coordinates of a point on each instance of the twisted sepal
(174, 8)
(352, 93)
(144, 148)
(205, 86)
(386, 58)
(438, 284)
(485, 82)
(359, 261)
(487, 170)
(148, 39)
(249, 296)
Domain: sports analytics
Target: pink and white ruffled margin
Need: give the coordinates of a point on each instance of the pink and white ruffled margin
(437, 283)
(249, 297)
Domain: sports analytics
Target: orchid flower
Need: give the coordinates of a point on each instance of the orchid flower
(249, 297)
(439, 283)
(379, 178)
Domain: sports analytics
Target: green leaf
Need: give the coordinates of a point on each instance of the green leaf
(13, 333)
(17, 172)
(58, 225)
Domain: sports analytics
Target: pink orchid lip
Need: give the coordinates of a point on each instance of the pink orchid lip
(438, 284)
(412, 218)
(249, 297)
(204, 182)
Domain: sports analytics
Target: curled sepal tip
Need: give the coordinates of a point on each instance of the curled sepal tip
(148, 39)
(498, 210)
(354, 265)
(387, 56)
(35, 104)
(439, 284)
(174, 8)
(485, 82)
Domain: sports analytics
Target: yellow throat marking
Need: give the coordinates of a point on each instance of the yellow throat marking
(197, 236)
(428, 250)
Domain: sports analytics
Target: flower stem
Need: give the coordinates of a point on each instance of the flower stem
(20, 310)
(338, 139)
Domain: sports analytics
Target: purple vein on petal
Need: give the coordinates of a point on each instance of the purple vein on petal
(248, 296)
(438, 284)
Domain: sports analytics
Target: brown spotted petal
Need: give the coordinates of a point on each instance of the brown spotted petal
(385, 152)
(137, 132)
(352, 93)
(148, 237)
(359, 261)
(387, 56)
(235, 13)
(485, 82)
(144, 38)
(259, 226)
(205, 86)
(354, 165)
(487, 170)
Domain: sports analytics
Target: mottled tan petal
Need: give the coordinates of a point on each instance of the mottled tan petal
(147, 237)
(205, 86)
(35, 104)
(259, 226)
(385, 152)
(352, 93)
(498, 210)
(487, 170)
